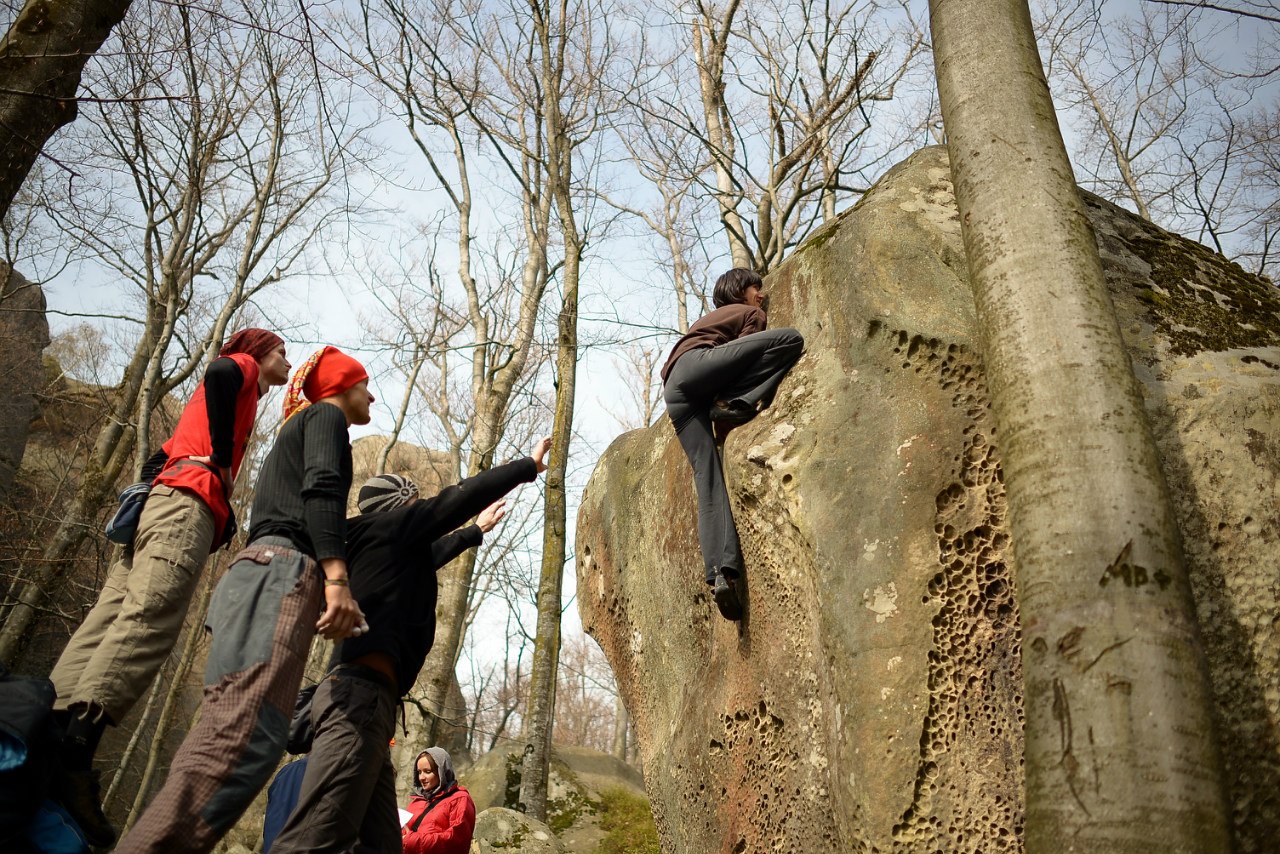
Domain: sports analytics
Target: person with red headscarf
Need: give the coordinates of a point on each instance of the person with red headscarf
(263, 614)
(120, 647)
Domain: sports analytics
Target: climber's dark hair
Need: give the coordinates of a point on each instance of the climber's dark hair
(732, 286)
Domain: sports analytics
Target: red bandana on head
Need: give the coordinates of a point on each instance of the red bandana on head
(252, 342)
(325, 373)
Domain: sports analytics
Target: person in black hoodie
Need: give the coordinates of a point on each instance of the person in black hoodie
(348, 798)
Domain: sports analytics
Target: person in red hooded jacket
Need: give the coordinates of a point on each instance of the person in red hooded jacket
(117, 651)
(442, 814)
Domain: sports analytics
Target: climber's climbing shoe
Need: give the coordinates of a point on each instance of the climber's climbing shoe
(724, 591)
(732, 412)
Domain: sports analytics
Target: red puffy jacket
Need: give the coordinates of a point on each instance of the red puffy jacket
(447, 827)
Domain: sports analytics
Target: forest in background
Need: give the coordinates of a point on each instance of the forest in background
(477, 196)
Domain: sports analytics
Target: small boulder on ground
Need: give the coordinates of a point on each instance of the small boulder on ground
(578, 781)
(503, 831)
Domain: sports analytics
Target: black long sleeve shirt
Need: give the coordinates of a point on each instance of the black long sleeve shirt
(450, 546)
(302, 488)
(222, 383)
(393, 556)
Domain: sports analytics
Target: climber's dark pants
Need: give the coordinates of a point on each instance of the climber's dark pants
(747, 369)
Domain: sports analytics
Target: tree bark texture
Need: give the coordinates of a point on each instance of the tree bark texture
(621, 723)
(540, 714)
(710, 41)
(41, 59)
(1120, 747)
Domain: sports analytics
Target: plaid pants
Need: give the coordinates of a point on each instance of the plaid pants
(262, 616)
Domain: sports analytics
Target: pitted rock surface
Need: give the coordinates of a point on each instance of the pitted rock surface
(871, 698)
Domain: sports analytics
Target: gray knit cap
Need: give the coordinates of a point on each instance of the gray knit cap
(386, 492)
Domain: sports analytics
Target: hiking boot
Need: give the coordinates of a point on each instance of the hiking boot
(726, 596)
(79, 792)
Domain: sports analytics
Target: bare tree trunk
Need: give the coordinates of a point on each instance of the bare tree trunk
(111, 451)
(419, 359)
(710, 42)
(1118, 152)
(621, 723)
(195, 634)
(540, 714)
(135, 740)
(41, 59)
(496, 368)
(1120, 749)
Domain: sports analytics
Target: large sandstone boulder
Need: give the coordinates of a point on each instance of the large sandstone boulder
(871, 698)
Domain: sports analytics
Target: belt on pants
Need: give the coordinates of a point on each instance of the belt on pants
(368, 674)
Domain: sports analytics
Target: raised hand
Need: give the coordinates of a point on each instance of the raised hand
(540, 452)
(490, 516)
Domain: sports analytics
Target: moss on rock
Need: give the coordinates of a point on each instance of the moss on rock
(1201, 301)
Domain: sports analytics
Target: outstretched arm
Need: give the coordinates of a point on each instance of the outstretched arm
(450, 546)
(434, 517)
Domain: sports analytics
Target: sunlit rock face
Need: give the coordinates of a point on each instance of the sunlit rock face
(871, 699)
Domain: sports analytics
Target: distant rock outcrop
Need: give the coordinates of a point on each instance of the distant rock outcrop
(578, 778)
(24, 333)
(871, 699)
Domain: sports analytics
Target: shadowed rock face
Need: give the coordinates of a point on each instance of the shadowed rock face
(24, 333)
(871, 699)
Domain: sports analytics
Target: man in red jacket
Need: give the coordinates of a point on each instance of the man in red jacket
(120, 647)
(442, 814)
